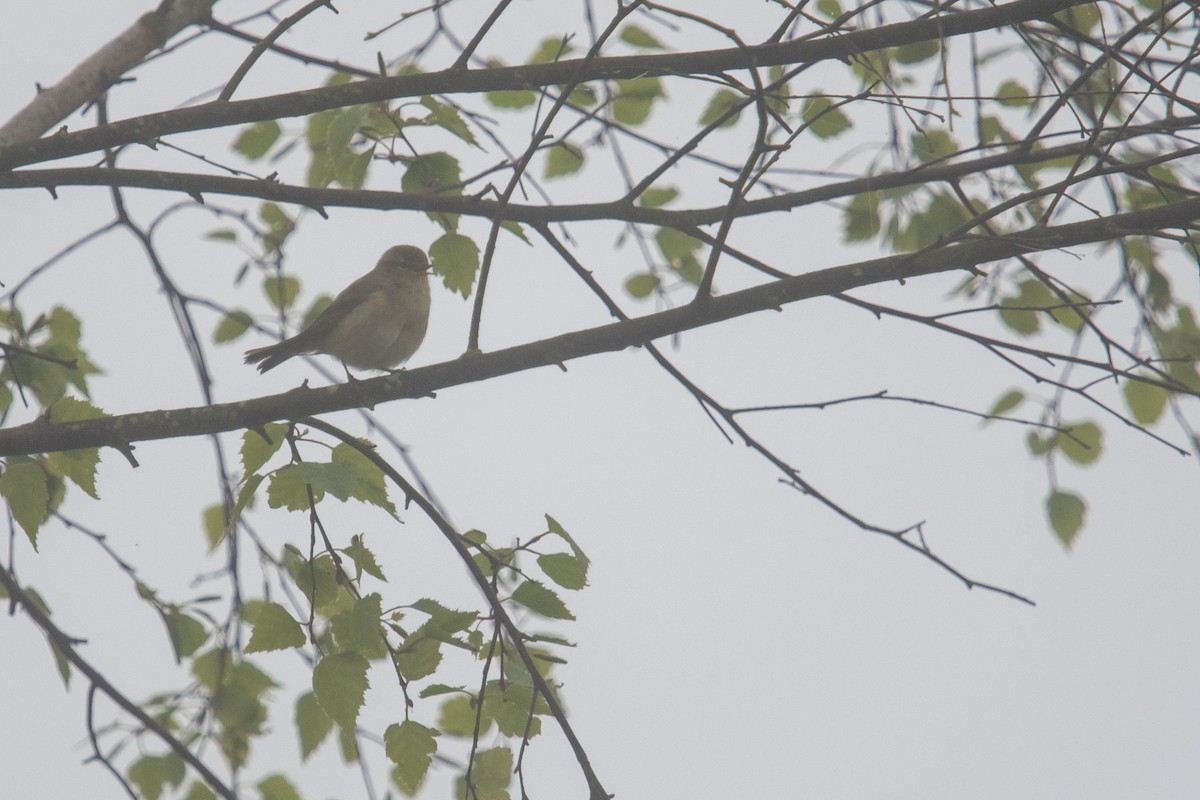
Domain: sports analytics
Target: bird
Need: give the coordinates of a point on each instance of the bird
(377, 322)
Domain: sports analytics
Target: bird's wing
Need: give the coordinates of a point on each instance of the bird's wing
(345, 302)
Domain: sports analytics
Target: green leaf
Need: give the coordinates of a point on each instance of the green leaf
(563, 158)
(1006, 402)
(340, 684)
(1014, 93)
(457, 717)
(72, 409)
(351, 170)
(510, 705)
(381, 123)
(642, 284)
(410, 746)
(433, 173)
(992, 130)
(65, 334)
(348, 745)
(358, 629)
(943, 215)
(448, 118)
(872, 66)
(199, 791)
(582, 96)
(435, 689)
(23, 483)
(342, 129)
(1146, 401)
(418, 656)
(778, 98)
(232, 326)
(152, 773)
(635, 98)
(60, 658)
(245, 498)
(555, 527)
(516, 230)
(218, 665)
(916, 52)
(318, 306)
(312, 724)
(49, 380)
(679, 249)
(281, 290)
(639, 37)
(368, 484)
(722, 102)
(830, 8)
(256, 140)
(1066, 512)
(564, 569)
(1082, 18)
(536, 597)
(187, 633)
(444, 621)
(549, 49)
(456, 258)
(932, 145)
(277, 787)
(1019, 312)
(1070, 317)
(345, 477)
(490, 775)
(78, 466)
(1040, 445)
(274, 629)
(317, 579)
(862, 221)
(259, 445)
(1085, 443)
(364, 559)
(279, 226)
(321, 168)
(657, 197)
(823, 119)
(288, 487)
(511, 98)
(215, 528)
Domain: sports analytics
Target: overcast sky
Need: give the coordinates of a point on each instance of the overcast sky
(737, 639)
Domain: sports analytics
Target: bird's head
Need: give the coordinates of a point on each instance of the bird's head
(404, 258)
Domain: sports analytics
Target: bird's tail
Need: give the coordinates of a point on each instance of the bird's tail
(273, 355)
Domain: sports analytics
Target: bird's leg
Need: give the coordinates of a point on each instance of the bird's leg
(353, 381)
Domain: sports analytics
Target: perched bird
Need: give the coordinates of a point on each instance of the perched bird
(377, 322)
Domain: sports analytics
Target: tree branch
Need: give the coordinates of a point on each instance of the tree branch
(119, 431)
(102, 69)
(457, 80)
(197, 185)
(515, 635)
(66, 646)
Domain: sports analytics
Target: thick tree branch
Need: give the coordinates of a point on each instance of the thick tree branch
(103, 68)
(457, 80)
(120, 431)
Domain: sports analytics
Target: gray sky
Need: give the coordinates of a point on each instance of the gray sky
(736, 638)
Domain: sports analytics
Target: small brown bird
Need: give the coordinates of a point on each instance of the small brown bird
(377, 322)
